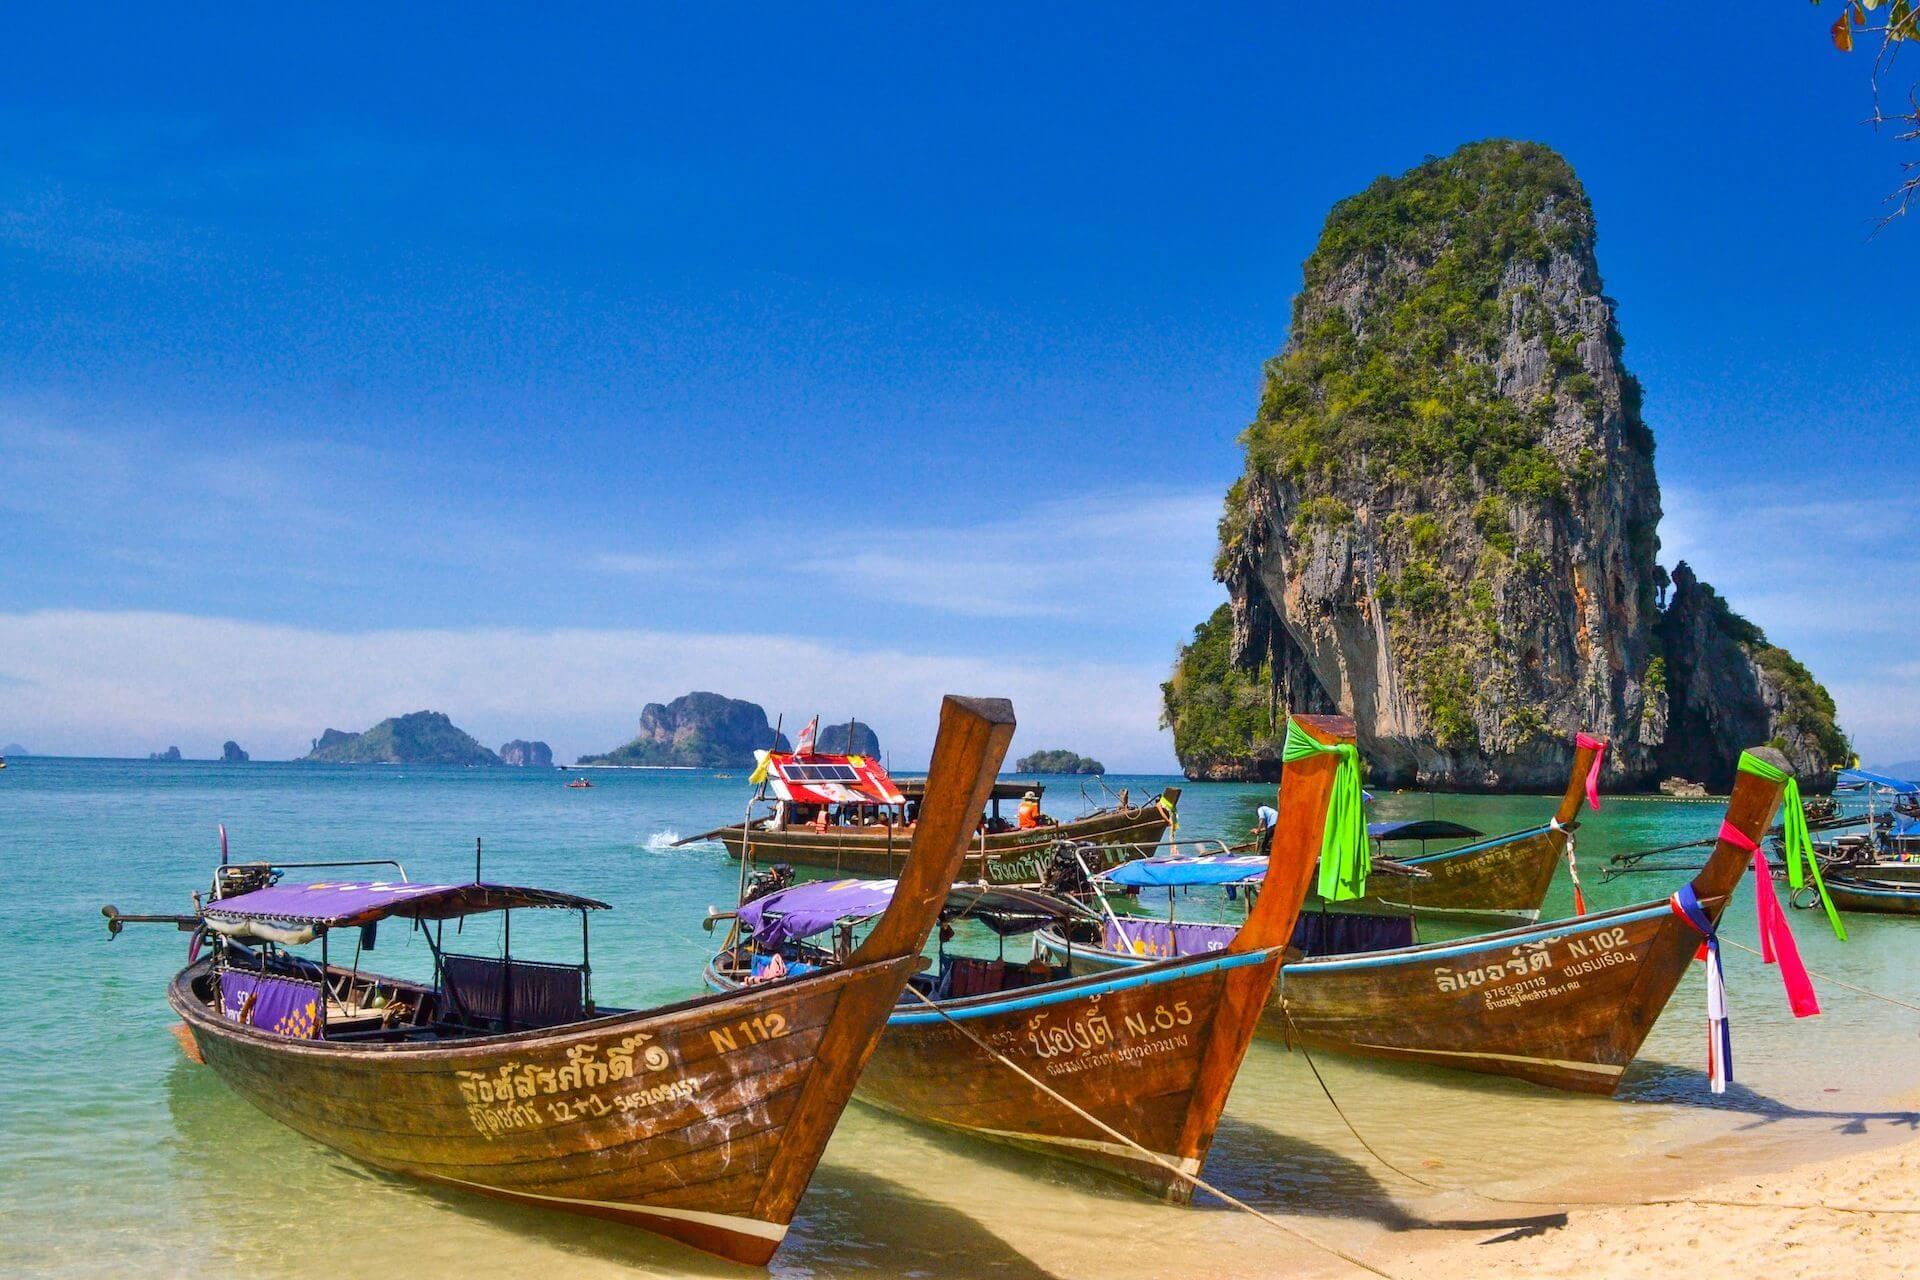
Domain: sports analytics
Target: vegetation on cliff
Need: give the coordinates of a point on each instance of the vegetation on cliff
(1218, 710)
(422, 737)
(1059, 761)
(1447, 524)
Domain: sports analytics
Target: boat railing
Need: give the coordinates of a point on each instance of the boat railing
(278, 865)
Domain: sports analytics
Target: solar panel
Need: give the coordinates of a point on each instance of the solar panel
(821, 773)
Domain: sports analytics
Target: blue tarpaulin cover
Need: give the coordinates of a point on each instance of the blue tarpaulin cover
(1880, 780)
(1171, 872)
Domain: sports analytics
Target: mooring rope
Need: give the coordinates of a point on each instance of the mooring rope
(1154, 1156)
(1827, 977)
(1293, 1042)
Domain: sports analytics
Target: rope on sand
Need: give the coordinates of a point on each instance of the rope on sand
(1677, 1201)
(1154, 1156)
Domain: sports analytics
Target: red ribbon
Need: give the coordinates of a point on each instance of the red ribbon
(1599, 747)
(1776, 939)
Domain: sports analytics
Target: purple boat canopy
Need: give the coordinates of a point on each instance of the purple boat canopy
(820, 905)
(332, 904)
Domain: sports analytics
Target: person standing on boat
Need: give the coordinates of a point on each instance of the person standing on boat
(1266, 816)
(1027, 817)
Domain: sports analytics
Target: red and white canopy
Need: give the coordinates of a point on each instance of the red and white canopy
(822, 779)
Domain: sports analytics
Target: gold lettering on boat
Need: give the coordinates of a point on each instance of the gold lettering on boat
(498, 1100)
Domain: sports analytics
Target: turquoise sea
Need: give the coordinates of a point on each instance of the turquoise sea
(117, 1157)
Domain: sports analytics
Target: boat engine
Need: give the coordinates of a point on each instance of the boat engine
(1064, 874)
(775, 878)
(242, 877)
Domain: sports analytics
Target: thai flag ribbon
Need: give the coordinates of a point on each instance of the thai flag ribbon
(1686, 905)
(1599, 748)
(1776, 939)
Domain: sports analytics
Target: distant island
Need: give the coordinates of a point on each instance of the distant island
(698, 730)
(14, 749)
(848, 738)
(230, 753)
(1057, 762)
(424, 737)
(170, 754)
(527, 755)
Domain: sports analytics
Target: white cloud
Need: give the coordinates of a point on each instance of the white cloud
(1065, 557)
(123, 683)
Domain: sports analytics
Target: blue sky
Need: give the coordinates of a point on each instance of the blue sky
(542, 362)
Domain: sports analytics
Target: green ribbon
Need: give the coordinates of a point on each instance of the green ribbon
(1345, 858)
(1798, 842)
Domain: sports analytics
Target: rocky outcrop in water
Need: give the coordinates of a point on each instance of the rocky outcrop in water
(1729, 689)
(527, 755)
(1058, 761)
(169, 755)
(230, 753)
(423, 737)
(698, 730)
(1447, 523)
(843, 739)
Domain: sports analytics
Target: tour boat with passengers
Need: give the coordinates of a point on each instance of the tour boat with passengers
(844, 814)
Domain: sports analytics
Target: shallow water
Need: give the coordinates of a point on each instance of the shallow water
(117, 1156)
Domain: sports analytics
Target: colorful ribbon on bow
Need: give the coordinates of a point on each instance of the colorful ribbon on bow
(1599, 748)
(1686, 905)
(1345, 858)
(1794, 836)
(1776, 939)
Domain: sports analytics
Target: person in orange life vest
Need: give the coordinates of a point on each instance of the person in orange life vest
(1028, 815)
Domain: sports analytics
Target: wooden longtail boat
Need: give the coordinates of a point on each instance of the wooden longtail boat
(1505, 875)
(862, 823)
(1875, 895)
(1565, 1004)
(700, 1120)
(1150, 1053)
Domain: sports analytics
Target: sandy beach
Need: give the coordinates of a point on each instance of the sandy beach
(1850, 1217)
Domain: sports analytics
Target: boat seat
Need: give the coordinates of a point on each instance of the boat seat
(543, 995)
(963, 976)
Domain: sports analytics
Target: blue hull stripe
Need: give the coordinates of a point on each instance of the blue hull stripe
(1513, 838)
(1414, 955)
(1040, 997)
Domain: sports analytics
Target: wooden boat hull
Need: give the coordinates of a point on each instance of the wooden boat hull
(1566, 1005)
(1001, 858)
(1875, 897)
(1506, 876)
(701, 1121)
(1151, 1052)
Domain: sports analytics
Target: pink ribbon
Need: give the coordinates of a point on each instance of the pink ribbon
(1599, 746)
(1776, 939)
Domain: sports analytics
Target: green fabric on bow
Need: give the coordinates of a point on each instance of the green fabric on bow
(1345, 857)
(1794, 835)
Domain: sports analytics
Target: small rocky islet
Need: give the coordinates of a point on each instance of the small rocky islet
(1447, 523)
(1058, 761)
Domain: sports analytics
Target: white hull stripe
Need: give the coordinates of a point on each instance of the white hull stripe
(1596, 1068)
(724, 1221)
(1184, 1164)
